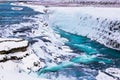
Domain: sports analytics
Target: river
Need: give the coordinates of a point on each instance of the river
(93, 57)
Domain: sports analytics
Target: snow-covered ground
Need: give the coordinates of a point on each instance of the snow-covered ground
(109, 74)
(11, 71)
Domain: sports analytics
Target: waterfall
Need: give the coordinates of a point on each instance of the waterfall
(95, 23)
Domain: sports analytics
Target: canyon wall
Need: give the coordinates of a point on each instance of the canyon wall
(99, 24)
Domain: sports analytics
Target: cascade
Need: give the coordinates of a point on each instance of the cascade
(87, 21)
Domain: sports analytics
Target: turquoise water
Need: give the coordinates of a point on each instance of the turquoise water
(89, 47)
(9, 16)
(92, 56)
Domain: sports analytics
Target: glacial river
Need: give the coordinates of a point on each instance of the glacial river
(93, 57)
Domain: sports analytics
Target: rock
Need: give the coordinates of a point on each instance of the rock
(12, 45)
(13, 56)
(20, 30)
(13, 49)
(18, 51)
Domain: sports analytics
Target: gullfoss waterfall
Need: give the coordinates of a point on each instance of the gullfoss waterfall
(68, 48)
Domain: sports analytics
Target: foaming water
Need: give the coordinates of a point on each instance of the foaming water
(85, 59)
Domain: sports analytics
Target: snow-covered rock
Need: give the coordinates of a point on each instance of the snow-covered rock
(11, 45)
(17, 50)
(13, 49)
(17, 60)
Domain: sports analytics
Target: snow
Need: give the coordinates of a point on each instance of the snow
(10, 70)
(109, 13)
(104, 12)
(20, 69)
(35, 7)
(7, 44)
(103, 76)
(114, 71)
(10, 39)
